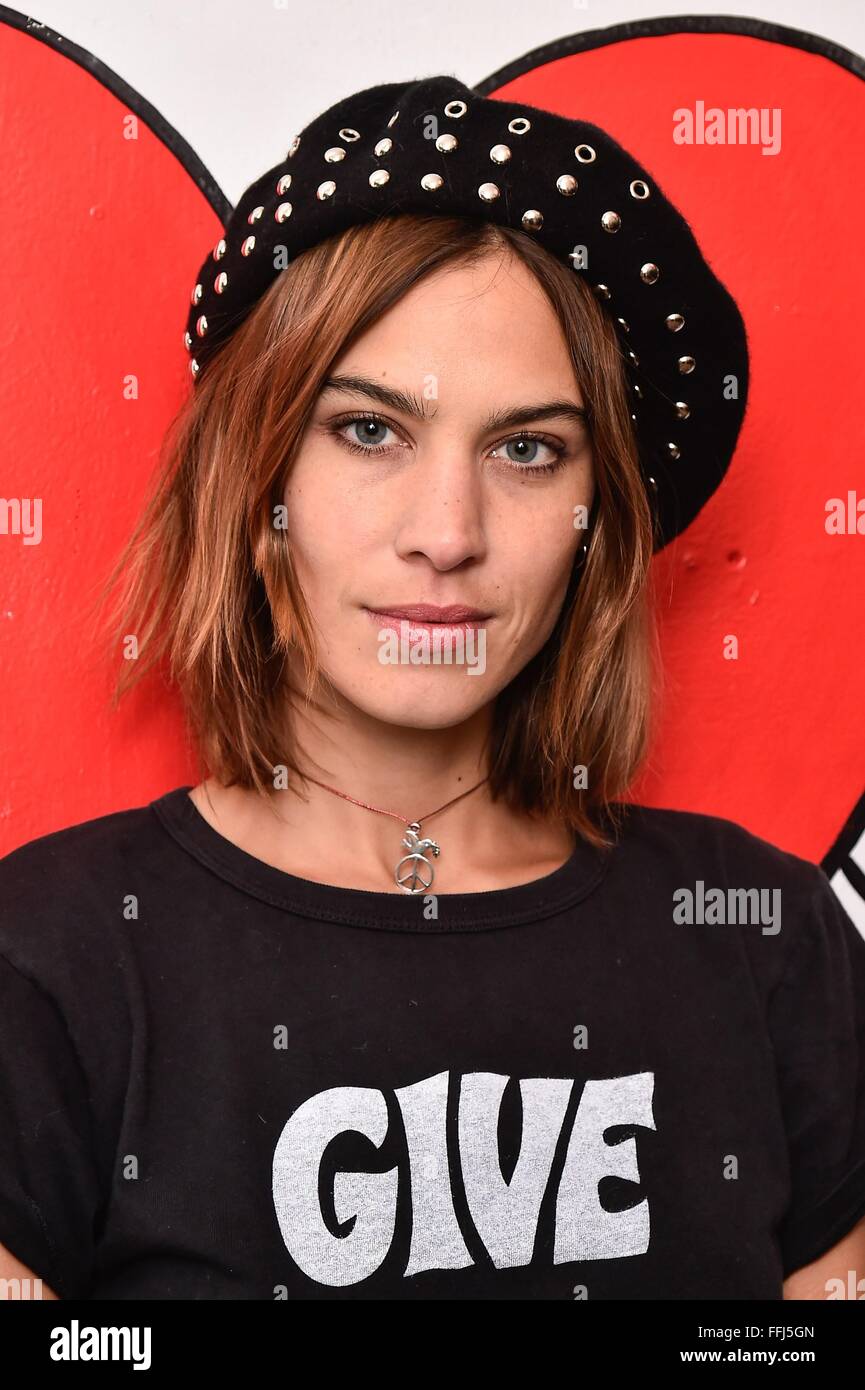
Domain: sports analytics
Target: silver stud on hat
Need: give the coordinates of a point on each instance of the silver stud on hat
(683, 410)
(532, 220)
(446, 143)
(674, 450)
(201, 325)
(220, 282)
(430, 182)
(219, 249)
(489, 192)
(566, 184)
(325, 190)
(248, 245)
(334, 154)
(195, 297)
(283, 212)
(256, 213)
(649, 272)
(378, 178)
(686, 364)
(500, 154)
(383, 147)
(674, 322)
(611, 221)
(283, 185)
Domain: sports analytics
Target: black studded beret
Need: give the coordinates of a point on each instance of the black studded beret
(567, 184)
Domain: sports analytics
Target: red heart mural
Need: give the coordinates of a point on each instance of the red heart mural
(108, 211)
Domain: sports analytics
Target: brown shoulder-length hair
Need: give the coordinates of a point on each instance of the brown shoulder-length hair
(206, 583)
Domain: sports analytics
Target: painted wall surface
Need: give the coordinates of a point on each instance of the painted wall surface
(108, 207)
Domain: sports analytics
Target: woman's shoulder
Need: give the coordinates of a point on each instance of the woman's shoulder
(63, 892)
(697, 840)
(716, 877)
(75, 850)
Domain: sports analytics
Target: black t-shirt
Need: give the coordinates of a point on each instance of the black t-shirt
(219, 1080)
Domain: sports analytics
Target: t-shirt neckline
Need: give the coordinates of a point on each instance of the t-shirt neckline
(523, 903)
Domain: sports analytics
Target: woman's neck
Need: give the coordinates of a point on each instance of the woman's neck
(310, 832)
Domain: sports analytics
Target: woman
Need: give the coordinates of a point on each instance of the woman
(403, 999)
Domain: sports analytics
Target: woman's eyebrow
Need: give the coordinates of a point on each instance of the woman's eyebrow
(547, 410)
(500, 419)
(387, 395)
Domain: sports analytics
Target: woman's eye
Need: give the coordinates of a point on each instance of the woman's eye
(364, 433)
(526, 451)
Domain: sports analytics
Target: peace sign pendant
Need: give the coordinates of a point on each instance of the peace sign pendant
(417, 870)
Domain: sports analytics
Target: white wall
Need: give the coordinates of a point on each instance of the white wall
(238, 78)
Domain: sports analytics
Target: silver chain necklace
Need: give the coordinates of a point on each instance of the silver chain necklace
(414, 872)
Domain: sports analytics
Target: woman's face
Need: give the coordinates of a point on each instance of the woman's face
(442, 466)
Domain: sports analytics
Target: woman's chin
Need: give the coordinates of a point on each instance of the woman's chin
(425, 703)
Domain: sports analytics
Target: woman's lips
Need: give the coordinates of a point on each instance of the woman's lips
(419, 618)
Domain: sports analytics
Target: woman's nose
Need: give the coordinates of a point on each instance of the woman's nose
(443, 513)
